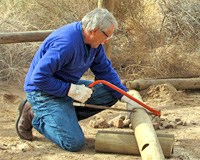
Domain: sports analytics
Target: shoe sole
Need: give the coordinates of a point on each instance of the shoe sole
(20, 108)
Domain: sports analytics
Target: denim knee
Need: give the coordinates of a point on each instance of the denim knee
(74, 144)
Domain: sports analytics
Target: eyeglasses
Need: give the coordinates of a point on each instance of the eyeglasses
(107, 37)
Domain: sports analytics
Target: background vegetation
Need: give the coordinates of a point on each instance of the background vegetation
(156, 39)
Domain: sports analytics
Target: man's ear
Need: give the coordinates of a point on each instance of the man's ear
(95, 30)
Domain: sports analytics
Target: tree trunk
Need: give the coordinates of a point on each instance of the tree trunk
(109, 5)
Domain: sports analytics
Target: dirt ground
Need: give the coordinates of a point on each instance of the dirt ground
(173, 104)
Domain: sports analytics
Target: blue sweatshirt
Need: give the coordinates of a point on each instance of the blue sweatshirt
(63, 58)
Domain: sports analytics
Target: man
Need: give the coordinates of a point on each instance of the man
(53, 81)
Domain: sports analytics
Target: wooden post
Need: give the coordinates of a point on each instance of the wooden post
(178, 83)
(125, 143)
(109, 5)
(147, 140)
(28, 36)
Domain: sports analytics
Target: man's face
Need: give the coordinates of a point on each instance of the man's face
(101, 37)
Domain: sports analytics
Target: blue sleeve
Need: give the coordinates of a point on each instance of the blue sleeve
(55, 57)
(103, 70)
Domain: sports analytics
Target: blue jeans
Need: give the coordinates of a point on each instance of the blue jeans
(57, 119)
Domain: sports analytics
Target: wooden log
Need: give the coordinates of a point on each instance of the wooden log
(178, 83)
(109, 5)
(146, 137)
(125, 143)
(19, 37)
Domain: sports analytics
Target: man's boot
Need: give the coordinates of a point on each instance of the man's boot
(24, 121)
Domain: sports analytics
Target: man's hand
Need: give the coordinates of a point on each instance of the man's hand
(130, 104)
(80, 93)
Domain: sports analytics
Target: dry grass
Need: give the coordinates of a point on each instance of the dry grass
(14, 60)
(159, 45)
(181, 20)
(170, 61)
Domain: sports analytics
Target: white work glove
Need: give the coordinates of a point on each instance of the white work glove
(130, 104)
(79, 93)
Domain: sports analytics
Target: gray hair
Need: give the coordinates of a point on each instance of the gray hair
(99, 18)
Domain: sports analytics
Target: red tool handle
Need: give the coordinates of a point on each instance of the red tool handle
(157, 113)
